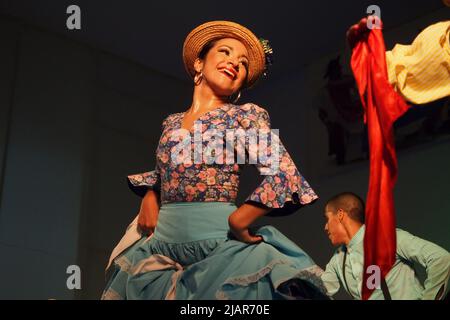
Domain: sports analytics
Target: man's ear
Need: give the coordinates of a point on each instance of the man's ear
(198, 65)
(340, 215)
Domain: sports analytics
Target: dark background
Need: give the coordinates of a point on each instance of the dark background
(81, 109)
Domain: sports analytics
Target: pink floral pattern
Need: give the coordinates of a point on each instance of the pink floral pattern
(284, 191)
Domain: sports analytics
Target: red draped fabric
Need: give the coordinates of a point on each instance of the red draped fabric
(382, 106)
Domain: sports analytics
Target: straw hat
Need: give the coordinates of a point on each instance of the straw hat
(212, 30)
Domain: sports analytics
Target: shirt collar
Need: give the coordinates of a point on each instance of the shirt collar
(358, 237)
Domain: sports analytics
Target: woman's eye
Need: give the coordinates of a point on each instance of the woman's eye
(225, 51)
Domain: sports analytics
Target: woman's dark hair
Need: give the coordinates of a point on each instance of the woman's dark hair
(206, 48)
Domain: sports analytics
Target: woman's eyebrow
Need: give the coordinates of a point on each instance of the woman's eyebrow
(242, 55)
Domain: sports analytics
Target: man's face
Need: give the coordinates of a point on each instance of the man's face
(334, 228)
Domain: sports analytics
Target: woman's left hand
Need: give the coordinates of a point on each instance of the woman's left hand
(241, 219)
(245, 236)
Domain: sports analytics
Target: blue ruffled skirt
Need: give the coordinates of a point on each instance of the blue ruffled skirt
(192, 255)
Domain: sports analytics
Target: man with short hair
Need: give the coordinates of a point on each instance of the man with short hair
(345, 228)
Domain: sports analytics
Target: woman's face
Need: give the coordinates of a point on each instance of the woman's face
(225, 66)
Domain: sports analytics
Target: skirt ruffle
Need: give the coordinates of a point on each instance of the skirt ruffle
(219, 268)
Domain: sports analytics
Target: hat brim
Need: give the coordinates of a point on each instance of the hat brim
(200, 36)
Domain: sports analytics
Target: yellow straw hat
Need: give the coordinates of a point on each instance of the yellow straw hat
(212, 30)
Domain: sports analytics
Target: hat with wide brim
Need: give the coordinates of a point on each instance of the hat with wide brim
(200, 36)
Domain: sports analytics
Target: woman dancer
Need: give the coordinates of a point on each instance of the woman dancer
(200, 246)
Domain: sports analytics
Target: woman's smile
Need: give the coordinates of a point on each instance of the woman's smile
(231, 73)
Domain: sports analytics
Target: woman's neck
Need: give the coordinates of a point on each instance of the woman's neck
(204, 99)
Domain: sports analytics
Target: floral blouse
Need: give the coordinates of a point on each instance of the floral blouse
(284, 190)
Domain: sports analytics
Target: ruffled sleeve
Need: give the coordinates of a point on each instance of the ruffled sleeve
(140, 183)
(283, 189)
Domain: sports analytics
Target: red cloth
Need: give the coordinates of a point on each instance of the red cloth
(382, 106)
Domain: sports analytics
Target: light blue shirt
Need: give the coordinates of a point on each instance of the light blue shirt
(402, 279)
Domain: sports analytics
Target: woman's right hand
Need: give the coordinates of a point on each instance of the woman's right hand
(148, 213)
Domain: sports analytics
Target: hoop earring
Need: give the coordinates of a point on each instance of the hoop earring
(198, 78)
(237, 98)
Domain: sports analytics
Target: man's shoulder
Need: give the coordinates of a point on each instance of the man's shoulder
(402, 234)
